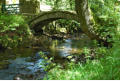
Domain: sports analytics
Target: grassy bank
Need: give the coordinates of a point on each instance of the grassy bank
(105, 68)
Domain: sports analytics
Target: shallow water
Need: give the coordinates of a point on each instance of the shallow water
(27, 64)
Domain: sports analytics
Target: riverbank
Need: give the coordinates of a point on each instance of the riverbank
(105, 68)
(57, 50)
(75, 58)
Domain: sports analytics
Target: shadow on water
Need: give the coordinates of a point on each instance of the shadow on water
(25, 63)
(18, 62)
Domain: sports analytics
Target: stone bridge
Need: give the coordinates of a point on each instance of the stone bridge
(46, 17)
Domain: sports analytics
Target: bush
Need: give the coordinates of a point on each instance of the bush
(13, 29)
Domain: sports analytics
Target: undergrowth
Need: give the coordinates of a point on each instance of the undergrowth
(13, 30)
(105, 68)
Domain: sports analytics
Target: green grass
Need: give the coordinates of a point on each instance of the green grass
(105, 68)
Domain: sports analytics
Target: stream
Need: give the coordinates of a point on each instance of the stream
(25, 63)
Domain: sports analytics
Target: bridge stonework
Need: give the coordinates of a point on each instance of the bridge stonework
(46, 17)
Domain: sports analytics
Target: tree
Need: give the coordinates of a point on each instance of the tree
(30, 6)
(83, 12)
(2, 5)
(87, 22)
(85, 18)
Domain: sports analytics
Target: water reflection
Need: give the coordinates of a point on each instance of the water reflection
(28, 64)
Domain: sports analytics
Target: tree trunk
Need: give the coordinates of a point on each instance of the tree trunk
(2, 5)
(86, 21)
(85, 18)
(29, 6)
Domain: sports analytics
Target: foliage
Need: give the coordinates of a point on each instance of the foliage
(47, 63)
(71, 26)
(106, 16)
(60, 4)
(63, 26)
(13, 30)
(105, 68)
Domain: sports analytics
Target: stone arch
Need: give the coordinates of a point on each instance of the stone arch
(46, 17)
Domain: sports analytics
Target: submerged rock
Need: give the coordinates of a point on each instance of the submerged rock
(17, 77)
